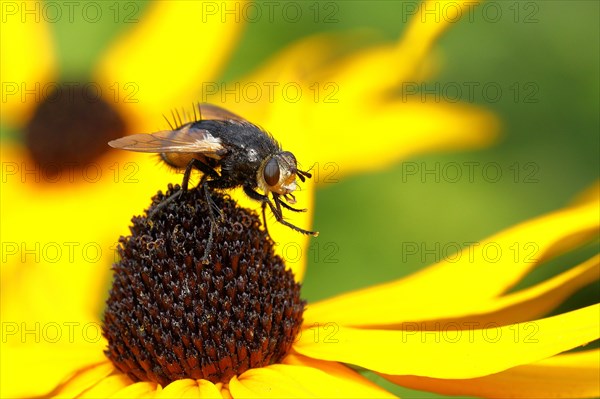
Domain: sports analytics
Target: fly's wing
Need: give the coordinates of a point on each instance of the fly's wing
(186, 139)
(214, 112)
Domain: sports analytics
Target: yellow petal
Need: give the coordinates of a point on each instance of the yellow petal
(84, 380)
(517, 307)
(28, 60)
(526, 304)
(573, 375)
(209, 390)
(320, 59)
(20, 363)
(350, 384)
(266, 383)
(471, 353)
(304, 64)
(537, 239)
(224, 389)
(177, 389)
(107, 387)
(390, 65)
(163, 61)
(306, 378)
(348, 144)
(45, 293)
(190, 389)
(138, 390)
(448, 289)
(430, 19)
(69, 228)
(306, 57)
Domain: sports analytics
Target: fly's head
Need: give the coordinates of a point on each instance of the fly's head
(278, 173)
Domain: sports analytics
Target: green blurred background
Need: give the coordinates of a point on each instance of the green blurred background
(548, 49)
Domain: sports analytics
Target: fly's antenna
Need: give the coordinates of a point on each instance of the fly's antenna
(303, 175)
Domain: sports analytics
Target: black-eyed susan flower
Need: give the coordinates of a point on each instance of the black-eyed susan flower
(236, 327)
(41, 260)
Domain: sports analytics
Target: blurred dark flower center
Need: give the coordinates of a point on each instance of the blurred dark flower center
(169, 316)
(71, 127)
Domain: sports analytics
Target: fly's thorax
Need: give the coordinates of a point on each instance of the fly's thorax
(277, 173)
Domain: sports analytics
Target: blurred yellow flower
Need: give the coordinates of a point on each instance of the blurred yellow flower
(54, 220)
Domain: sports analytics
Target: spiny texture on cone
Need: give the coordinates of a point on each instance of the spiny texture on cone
(170, 317)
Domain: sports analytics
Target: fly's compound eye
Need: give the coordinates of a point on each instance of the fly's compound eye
(271, 172)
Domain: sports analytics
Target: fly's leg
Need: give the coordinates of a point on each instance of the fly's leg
(194, 163)
(286, 206)
(276, 209)
(264, 215)
(211, 216)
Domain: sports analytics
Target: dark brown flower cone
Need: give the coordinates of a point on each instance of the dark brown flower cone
(169, 316)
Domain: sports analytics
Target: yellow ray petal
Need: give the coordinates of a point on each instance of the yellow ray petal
(520, 306)
(186, 42)
(448, 289)
(84, 380)
(28, 60)
(308, 56)
(472, 353)
(352, 384)
(83, 213)
(319, 59)
(346, 136)
(20, 363)
(266, 383)
(224, 389)
(527, 304)
(429, 20)
(538, 240)
(177, 389)
(107, 387)
(189, 389)
(45, 294)
(573, 375)
(294, 65)
(138, 390)
(209, 390)
(306, 378)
